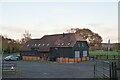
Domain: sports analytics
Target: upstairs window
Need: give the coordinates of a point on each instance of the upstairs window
(48, 44)
(82, 44)
(43, 45)
(68, 44)
(62, 44)
(39, 44)
(79, 45)
(28, 45)
(35, 45)
(59, 44)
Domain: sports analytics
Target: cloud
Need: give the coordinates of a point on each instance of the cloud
(95, 24)
(11, 29)
(17, 32)
(20, 29)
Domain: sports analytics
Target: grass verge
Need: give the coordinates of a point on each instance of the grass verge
(102, 52)
(6, 72)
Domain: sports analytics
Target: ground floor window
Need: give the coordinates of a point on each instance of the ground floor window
(77, 54)
(84, 53)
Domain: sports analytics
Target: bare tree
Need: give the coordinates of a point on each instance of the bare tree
(26, 37)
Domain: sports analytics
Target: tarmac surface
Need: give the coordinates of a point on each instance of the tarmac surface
(46, 69)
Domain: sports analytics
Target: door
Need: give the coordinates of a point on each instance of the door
(77, 54)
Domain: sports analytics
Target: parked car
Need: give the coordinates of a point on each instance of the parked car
(18, 55)
(11, 58)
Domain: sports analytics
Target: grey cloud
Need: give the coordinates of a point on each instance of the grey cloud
(95, 24)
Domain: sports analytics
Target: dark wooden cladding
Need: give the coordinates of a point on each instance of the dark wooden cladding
(68, 45)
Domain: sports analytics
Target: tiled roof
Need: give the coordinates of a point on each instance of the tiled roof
(56, 40)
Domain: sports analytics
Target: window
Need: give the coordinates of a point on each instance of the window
(59, 44)
(32, 54)
(62, 44)
(48, 44)
(56, 48)
(28, 45)
(82, 44)
(79, 45)
(77, 54)
(68, 44)
(84, 53)
(35, 45)
(43, 44)
(39, 44)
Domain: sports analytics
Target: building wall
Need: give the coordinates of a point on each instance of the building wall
(81, 46)
(56, 52)
(34, 53)
(79, 50)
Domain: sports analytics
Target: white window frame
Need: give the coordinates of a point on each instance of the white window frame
(43, 44)
(62, 44)
(82, 44)
(39, 44)
(68, 43)
(35, 44)
(77, 54)
(28, 45)
(85, 53)
(48, 44)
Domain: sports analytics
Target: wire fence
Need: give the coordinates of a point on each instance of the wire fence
(105, 57)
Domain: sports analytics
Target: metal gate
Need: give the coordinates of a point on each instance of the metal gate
(105, 70)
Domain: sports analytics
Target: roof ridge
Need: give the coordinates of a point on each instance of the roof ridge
(59, 34)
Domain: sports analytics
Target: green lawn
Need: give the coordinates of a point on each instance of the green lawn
(102, 52)
(12, 72)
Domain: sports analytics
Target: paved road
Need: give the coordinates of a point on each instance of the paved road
(42, 69)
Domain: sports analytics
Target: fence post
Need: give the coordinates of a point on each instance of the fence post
(113, 71)
(96, 57)
(110, 71)
(2, 65)
(114, 57)
(115, 68)
(94, 69)
(103, 67)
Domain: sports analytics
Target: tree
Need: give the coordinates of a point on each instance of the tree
(3, 43)
(8, 45)
(93, 39)
(26, 37)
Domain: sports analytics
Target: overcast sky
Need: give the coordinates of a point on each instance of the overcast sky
(42, 18)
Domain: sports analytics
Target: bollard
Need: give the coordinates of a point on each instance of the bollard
(12, 67)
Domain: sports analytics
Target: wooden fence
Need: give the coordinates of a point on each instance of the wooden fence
(71, 60)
